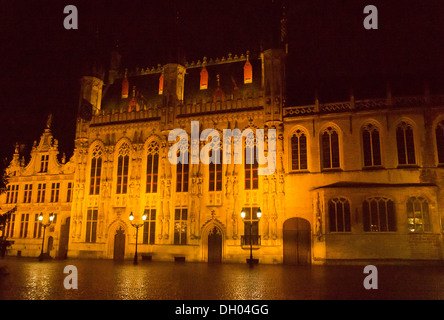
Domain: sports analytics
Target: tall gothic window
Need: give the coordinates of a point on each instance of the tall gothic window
(371, 146)
(299, 151)
(180, 226)
(122, 169)
(439, 131)
(149, 227)
(182, 171)
(251, 166)
(215, 172)
(339, 215)
(215, 165)
(152, 168)
(91, 225)
(330, 149)
(418, 218)
(379, 215)
(405, 143)
(96, 171)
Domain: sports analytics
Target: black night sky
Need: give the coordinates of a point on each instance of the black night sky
(330, 51)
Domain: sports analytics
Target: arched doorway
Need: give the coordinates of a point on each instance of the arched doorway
(215, 245)
(297, 241)
(119, 245)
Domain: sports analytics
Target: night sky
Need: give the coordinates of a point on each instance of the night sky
(330, 51)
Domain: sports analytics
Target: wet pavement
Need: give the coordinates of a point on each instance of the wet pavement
(109, 280)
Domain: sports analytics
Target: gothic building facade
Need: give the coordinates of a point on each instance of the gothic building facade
(354, 180)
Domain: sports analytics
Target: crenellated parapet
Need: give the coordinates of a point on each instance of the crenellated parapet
(368, 104)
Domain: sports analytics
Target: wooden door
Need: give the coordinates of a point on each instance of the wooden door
(215, 245)
(119, 245)
(297, 241)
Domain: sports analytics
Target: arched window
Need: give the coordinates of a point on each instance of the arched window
(339, 215)
(379, 215)
(330, 149)
(299, 151)
(152, 167)
(405, 143)
(418, 215)
(203, 79)
(251, 166)
(182, 172)
(248, 72)
(122, 169)
(371, 146)
(161, 84)
(149, 227)
(439, 131)
(96, 170)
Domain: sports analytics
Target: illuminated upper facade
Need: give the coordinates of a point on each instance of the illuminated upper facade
(359, 179)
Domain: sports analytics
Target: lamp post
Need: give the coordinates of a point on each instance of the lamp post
(51, 217)
(137, 226)
(258, 215)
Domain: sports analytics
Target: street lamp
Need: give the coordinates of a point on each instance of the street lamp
(137, 226)
(51, 217)
(258, 215)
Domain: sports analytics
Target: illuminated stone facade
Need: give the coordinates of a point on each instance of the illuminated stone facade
(355, 180)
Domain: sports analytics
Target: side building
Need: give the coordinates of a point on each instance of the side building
(42, 187)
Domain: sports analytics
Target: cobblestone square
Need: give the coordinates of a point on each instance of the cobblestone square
(29, 279)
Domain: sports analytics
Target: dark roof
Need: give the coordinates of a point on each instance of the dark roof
(231, 80)
(147, 92)
(231, 75)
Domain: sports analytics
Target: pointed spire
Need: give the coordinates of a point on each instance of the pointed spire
(49, 122)
(284, 29)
